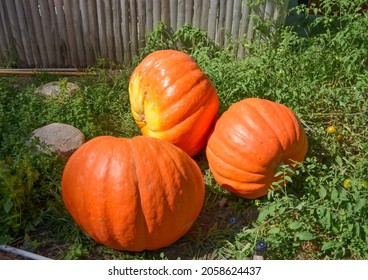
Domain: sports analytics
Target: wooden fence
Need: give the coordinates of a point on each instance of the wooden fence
(75, 33)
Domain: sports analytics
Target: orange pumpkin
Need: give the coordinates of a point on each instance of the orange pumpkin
(173, 100)
(250, 142)
(132, 194)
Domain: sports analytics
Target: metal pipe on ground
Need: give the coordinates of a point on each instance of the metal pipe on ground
(22, 253)
(51, 71)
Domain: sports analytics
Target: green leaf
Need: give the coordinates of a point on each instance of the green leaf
(339, 160)
(272, 209)
(304, 235)
(281, 210)
(327, 219)
(279, 173)
(8, 205)
(359, 205)
(263, 215)
(274, 230)
(300, 206)
(295, 225)
(322, 192)
(288, 178)
(327, 245)
(334, 194)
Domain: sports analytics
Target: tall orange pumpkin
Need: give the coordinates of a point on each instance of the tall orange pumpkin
(173, 100)
(250, 141)
(132, 194)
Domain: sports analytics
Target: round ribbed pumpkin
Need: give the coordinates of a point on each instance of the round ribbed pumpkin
(250, 141)
(132, 194)
(173, 100)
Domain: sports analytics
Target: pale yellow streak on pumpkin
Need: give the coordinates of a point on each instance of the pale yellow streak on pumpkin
(143, 103)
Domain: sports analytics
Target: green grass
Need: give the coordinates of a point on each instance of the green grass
(322, 77)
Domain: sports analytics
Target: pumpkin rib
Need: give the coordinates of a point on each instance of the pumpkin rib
(267, 133)
(282, 129)
(86, 193)
(153, 71)
(225, 141)
(232, 164)
(190, 69)
(187, 105)
(247, 176)
(81, 192)
(263, 141)
(288, 149)
(193, 169)
(170, 205)
(141, 219)
(168, 124)
(101, 211)
(166, 179)
(176, 134)
(186, 118)
(300, 146)
(109, 193)
(254, 135)
(231, 154)
(299, 135)
(279, 155)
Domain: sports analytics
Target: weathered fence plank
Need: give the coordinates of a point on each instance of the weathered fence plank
(181, 14)
(220, 34)
(204, 14)
(47, 32)
(39, 31)
(24, 33)
(15, 31)
(3, 45)
(165, 11)
(133, 28)
(86, 32)
(173, 13)
(149, 16)
(4, 32)
(70, 33)
(116, 31)
(32, 34)
(243, 28)
(63, 37)
(141, 23)
(156, 12)
(269, 10)
(109, 25)
(228, 21)
(101, 28)
(56, 35)
(212, 19)
(93, 30)
(236, 19)
(188, 11)
(197, 11)
(125, 30)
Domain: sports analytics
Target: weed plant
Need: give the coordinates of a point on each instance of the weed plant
(322, 77)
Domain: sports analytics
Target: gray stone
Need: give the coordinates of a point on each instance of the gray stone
(55, 88)
(59, 138)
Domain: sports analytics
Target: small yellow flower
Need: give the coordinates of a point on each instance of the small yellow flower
(331, 129)
(346, 184)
